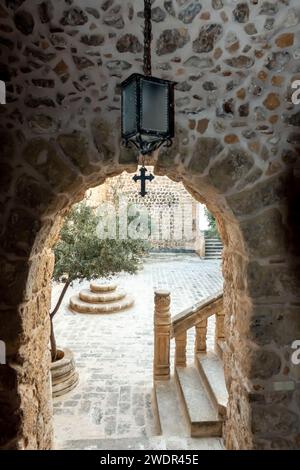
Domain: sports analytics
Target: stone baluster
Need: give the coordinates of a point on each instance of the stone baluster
(200, 339)
(180, 353)
(219, 332)
(162, 335)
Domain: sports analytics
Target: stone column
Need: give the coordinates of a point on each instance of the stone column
(200, 339)
(180, 356)
(162, 335)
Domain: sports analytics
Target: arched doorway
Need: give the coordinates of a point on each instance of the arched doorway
(242, 360)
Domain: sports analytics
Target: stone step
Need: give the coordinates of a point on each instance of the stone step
(171, 420)
(142, 443)
(213, 248)
(101, 297)
(203, 419)
(214, 253)
(102, 287)
(113, 307)
(211, 370)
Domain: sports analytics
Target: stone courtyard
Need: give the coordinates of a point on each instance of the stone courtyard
(114, 355)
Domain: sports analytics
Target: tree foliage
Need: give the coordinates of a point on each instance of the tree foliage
(81, 254)
(212, 223)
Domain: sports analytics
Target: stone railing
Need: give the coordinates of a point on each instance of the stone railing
(167, 328)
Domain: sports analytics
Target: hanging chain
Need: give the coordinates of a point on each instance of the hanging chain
(147, 38)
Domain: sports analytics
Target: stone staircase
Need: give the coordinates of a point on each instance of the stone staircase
(213, 248)
(191, 402)
(101, 299)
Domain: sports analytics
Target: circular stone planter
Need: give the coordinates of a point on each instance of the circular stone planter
(101, 299)
(79, 306)
(108, 287)
(112, 296)
(63, 373)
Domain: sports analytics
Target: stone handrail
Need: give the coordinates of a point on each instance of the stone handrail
(166, 328)
(201, 311)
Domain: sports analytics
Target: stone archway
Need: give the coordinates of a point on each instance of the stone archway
(60, 136)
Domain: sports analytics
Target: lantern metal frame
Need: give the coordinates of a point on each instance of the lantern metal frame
(159, 138)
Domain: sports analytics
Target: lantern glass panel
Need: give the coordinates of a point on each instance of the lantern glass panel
(129, 112)
(155, 107)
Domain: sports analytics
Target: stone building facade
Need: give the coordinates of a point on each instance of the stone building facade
(236, 150)
(171, 213)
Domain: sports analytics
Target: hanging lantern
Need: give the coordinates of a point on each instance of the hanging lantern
(147, 104)
(147, 112)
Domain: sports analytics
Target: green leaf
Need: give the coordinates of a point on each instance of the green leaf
(80, 254)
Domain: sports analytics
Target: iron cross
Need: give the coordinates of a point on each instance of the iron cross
(143, 178)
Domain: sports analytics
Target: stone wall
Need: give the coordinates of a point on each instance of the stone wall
(236, 150)
(172, 211)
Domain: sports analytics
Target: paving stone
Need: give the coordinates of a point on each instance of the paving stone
(114, 354)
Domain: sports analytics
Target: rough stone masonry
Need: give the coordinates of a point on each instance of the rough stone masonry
(172, 215)
(236, 149)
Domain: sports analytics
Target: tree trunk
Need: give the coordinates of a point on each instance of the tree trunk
(53, 342)
(52, 315)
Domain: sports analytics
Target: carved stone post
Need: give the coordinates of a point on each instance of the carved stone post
(180, 354)
(200, 339)
(219, 334)
(162, 335)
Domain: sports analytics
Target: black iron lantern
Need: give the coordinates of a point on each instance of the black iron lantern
(147, 104)
(147, 112)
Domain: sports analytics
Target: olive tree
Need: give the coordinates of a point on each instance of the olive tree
(81, 254)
